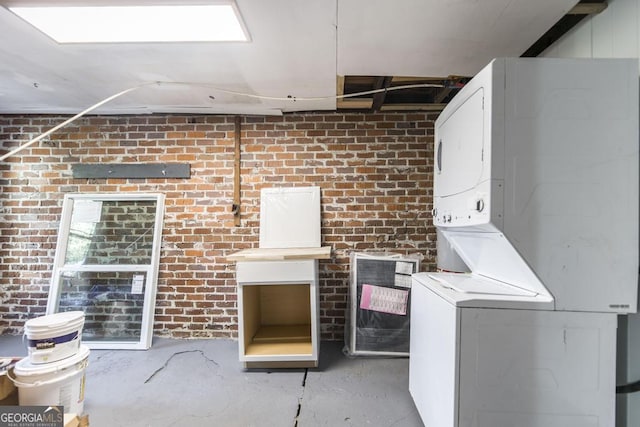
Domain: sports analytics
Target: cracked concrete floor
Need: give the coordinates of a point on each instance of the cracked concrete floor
(201, 383)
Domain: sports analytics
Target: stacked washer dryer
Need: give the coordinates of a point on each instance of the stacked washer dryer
(536, 188)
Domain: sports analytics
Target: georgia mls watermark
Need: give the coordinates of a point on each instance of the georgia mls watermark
(31, 416)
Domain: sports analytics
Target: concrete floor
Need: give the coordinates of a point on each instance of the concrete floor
(201, 383)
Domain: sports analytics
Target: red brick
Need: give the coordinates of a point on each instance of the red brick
(375, 171)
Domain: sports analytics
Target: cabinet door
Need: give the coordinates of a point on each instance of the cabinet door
(433, 374)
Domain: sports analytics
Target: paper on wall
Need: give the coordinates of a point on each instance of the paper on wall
(402, 281)
(137, 284)
(385, 300)
(403, 274)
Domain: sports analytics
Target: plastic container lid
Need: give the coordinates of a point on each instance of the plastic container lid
(24, 368)
(56, 320)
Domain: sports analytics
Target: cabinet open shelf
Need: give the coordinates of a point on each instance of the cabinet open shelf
(276, 322)
(283, 333)
(281, 340)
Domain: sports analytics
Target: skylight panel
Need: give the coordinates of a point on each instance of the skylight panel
(137, 24)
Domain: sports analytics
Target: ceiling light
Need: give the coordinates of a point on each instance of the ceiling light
(122, 24)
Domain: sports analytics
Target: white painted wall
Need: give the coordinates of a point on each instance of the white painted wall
(614, 33)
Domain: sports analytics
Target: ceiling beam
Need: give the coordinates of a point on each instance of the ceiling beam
(588, 8)
(378, 98)
(441, 95)
(350, 103)
(340, 86)
(355, 103)
(413, 107)
(415, 80)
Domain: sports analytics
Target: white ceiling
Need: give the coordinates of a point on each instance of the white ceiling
(297, 48)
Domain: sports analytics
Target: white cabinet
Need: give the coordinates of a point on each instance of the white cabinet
(278, 313)
(278, 308)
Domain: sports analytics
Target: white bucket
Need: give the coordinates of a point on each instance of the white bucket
(54, 337)
(57, 383)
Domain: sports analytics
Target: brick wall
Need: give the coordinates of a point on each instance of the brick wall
(375, 172)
